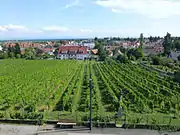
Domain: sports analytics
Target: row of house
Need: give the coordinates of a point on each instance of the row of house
(73, 52)
(149, 46)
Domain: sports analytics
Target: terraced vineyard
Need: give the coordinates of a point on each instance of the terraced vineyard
(45, 89)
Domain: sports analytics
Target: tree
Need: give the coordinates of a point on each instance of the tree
(156, 60)
(151, 39)
(62, 42)
(177, 76)
(56, 52)
(177, 44)
(138, 53)
(122, 58)
(141, 39)
(18, 56)
(95, 38)
(11, 55)
(97, 45)
(17, 49)
(30, 53)
(166, 61)
(1, 55)
(179, 57)
(101, 53)
(167, 44)
(11, 52)
(38, 52)
(130, 53)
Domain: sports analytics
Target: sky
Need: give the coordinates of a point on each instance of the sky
(41, 19)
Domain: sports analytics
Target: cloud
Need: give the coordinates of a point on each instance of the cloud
(86, 30)
(2, 29)
(151, 8)
(55, 29)
(74, 3)
(11, 27)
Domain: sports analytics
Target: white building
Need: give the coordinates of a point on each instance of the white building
(1, 48)
(73, 52)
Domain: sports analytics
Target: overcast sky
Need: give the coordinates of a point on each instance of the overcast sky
(26, 19)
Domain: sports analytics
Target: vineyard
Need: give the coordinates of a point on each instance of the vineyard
(45, 89)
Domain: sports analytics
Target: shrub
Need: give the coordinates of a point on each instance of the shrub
(156, 60)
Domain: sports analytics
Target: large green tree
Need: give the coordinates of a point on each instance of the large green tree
(102, 53)
(122, 58)
(141, 40)
(177, 44)
(167, 44)
(30, 53)
(17, 49)
(11, 51)
(3, 55)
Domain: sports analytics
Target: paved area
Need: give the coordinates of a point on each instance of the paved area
(36, 130)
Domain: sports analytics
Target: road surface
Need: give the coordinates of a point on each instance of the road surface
(6, 129)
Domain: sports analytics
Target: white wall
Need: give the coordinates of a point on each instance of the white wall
(90, 45)
(78, 56)
(1, 48)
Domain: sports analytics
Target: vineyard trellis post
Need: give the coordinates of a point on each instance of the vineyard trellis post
(91, 87)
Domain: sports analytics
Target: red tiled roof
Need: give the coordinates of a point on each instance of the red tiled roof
(22, 44)
(75, 49)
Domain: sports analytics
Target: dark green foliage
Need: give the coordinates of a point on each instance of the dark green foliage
(139, 53)
(141, 39)
(122, 58)
(167, 44)
(3, 55)
(179, 57)
(56, 52)
(17, 49)
(162, 61)
(166, 61)
(18, 56)
(11, 55)
(101, 50)
(39, 52)
(177, 76)
(177, 44)
(26, 115)
(156, 60)
(30, 54)
(102, 53)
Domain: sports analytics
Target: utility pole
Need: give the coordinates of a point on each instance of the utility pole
(91, 87)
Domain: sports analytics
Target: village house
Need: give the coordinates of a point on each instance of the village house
(174, 55)
(1, 48)
(49, 50)
(73, 52)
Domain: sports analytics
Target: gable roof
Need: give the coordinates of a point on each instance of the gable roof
(73, 49)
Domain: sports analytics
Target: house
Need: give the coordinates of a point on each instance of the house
(1, 48)
(94, 54)
(94, 51)
(73, 52)
(90, 45)
(49, 50)
(174, 55)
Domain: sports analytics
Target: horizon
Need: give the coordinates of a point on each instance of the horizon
(47, 19)
(76, 38)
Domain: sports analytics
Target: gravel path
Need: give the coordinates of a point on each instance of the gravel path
(6, 129)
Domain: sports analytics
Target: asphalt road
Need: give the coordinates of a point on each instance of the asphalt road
(36, 130)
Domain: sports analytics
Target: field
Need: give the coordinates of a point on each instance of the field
(50, 89)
